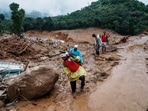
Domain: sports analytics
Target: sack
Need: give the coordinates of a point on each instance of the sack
(71, 65)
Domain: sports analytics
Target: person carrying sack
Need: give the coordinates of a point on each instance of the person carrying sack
(74, 71)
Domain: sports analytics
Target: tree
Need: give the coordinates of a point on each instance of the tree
(29, 23)
(17, 17)
(122, 16)
(2, 17)
(48, 24)
(39, 23)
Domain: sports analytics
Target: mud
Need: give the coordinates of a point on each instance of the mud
(126, 89)
(115, 84)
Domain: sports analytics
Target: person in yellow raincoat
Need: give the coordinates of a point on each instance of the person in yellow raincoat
(74, 71)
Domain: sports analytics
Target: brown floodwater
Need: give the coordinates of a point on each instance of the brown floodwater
(127, 87)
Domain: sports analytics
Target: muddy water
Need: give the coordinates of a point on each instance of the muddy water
(127, 88)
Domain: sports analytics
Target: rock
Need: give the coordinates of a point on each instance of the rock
(32, 85)
(101, 58)
(119, 39)
(111, 49)
(1, 104)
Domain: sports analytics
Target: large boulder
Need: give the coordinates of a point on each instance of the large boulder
(32, 85)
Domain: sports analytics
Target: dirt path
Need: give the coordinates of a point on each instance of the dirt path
(126, 89)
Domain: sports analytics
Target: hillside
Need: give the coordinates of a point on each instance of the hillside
(126, 17)
(110, 14)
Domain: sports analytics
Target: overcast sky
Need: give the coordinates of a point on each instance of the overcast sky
(52, 7)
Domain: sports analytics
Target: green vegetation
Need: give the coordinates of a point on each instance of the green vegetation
(126, 17)
(17, 18)
(2, 17)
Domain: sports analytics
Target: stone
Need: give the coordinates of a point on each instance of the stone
(33, 84)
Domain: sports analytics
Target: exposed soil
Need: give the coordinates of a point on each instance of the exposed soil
(115, 81)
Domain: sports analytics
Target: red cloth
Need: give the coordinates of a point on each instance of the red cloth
(104, 38)
(72, 65)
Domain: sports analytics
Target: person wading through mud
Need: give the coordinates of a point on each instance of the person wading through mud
(98, 43)
(76, 54)
(104, 38)
(74, 71)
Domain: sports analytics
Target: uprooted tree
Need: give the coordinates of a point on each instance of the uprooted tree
(17, 17)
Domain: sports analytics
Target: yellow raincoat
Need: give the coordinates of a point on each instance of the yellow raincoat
(73, 76)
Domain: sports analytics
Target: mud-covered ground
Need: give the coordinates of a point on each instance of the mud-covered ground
(115, 81)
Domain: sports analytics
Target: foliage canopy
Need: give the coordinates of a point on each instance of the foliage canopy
(126, 17)
(17, 18)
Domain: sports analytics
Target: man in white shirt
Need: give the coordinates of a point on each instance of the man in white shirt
(98, 43)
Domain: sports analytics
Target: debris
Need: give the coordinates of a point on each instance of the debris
(11, 67)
